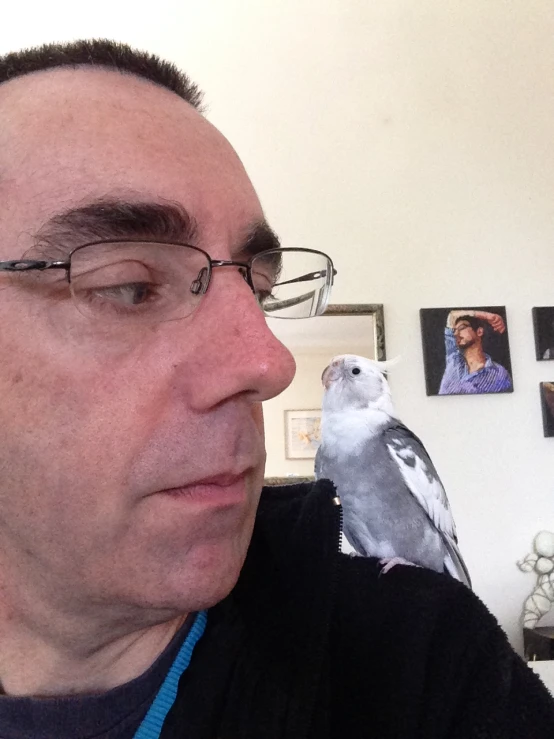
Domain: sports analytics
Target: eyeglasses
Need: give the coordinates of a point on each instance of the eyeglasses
(460, 327)
(150, 282)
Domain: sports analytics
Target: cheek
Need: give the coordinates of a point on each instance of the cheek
(67, 415)
(60, 370)
(37, 392)
(69, 430)
(258, 416)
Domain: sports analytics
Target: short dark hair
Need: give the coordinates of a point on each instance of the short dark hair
(101, 53)
(475, 323)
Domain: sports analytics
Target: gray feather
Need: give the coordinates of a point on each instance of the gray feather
(424, 483)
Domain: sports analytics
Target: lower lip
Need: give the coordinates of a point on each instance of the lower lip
(211, 494)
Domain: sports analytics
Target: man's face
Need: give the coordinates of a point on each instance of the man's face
(95, 425)
(466, 335)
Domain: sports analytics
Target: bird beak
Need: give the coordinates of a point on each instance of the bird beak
(330, 374)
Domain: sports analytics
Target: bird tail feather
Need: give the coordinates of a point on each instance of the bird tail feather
(454, 562)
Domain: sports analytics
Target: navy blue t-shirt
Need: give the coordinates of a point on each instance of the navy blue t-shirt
(116, 714)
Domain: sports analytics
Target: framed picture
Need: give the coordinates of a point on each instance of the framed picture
(466, 350)
(547, 402)
(302, 433)
(543, 323)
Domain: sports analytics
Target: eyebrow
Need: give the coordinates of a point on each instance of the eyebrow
(118, 219)
(113, 219)
(260, 237)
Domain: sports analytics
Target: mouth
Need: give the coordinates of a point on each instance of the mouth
(219, 491)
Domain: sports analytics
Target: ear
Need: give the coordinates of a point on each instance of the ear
(480, 331)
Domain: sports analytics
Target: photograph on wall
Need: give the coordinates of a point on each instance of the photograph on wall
(466, 351)
(547, 402)
(302, 433)
(543, 323)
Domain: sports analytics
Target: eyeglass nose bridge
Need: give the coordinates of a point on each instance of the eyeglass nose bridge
(201, 284)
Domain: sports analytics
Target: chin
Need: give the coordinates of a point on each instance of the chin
(208, 575)
(213, 581)
(190, 563)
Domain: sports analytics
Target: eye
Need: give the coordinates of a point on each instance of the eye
(263, 282)
(134, 293)
(126, 288)
(355, 370)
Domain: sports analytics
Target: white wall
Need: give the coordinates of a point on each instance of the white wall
(414, 142)
(304, 393)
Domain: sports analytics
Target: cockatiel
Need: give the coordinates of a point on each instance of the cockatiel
(394, 505)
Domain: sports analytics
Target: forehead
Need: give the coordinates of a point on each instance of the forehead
(72, 136)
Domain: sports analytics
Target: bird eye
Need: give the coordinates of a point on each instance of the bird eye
(356, 370)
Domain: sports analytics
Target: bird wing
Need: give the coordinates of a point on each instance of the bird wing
(318, 464)
(423, 482)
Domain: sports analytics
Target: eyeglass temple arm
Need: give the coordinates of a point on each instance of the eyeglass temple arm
(307, 277)
(24, 265)
(289, 303)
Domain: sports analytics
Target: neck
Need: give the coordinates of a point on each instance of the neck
(383, 408)
(385, 405)
(475, 357)
(49, 653)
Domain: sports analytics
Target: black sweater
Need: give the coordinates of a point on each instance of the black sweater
(314, 644)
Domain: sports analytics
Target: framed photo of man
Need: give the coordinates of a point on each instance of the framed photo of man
(466, 350)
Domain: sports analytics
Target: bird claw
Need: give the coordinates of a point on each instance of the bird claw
(390, 562)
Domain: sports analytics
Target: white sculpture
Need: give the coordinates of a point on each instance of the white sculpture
(541, 561)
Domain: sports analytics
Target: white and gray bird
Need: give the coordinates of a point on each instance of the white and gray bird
(394, 504)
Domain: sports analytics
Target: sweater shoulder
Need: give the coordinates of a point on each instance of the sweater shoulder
(295, 518)
(414, 604)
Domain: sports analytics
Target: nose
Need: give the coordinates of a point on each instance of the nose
(235, 353)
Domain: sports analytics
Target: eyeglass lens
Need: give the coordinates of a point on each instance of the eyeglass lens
(143, 281)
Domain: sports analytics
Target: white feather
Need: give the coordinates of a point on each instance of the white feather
(425, 486)
(346, 432)
(369, 390)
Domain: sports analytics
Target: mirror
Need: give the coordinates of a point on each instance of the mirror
(292, 418)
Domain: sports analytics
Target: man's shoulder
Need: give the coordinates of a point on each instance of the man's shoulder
(304, 522)
(405, 586)
(499, 369)
(416, 616)
(310, 622)
(297, 522)
(499, 375)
